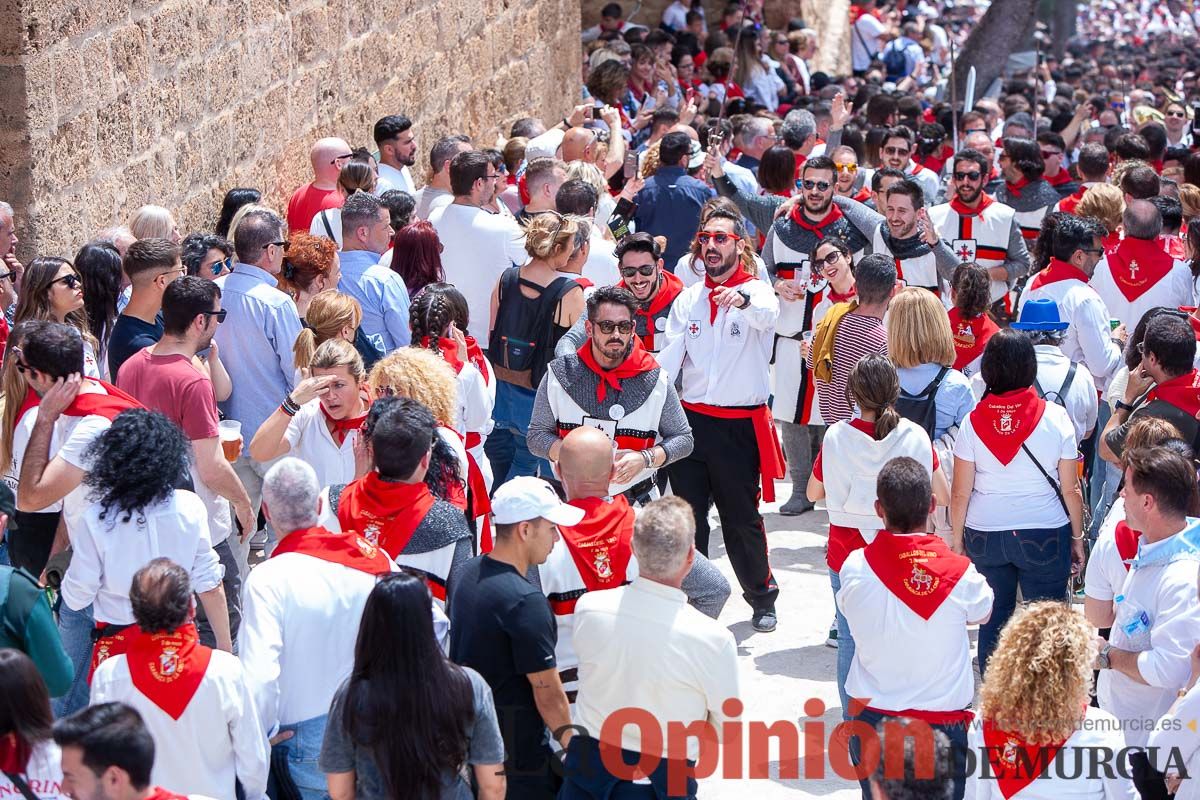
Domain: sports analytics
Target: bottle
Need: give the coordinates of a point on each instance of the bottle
(1134, 624)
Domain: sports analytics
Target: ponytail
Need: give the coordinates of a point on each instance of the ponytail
(305, 346)
(874, 386)
(886, 420)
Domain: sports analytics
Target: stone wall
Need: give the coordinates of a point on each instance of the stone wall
(109, 104)
(829, 17)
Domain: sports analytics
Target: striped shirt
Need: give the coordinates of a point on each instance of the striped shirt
(857, 337)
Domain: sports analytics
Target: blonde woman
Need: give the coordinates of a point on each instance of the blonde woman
(1106, 203)
(921, 346)
(319, 421)
(154, 222)
(1034, 707)
(607, 204)
(330, 315)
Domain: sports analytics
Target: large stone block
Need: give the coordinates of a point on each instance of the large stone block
(130, 59)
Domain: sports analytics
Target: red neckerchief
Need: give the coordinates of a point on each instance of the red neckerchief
(387, 512)
(1014, 189)
(343, 426)
(160, 793)
(1111, 242)
(523, 190)
(1055, 272)
(639, 95)
(834, 297)
(14, 753)
(798, 217)
(347, 548)
(88, 404)
(1127, 542)
(637, 362)
(475, 356)
(800, 159)
(1004, 421)
(1182, 392)
(600, 544)
(1068, 203)
(864, 194)
(167, 668)
(1157, 164)
(970, 336)
(449, 350)
(919, 569)
(1058, 180)
(739, 277)
(963, 210)
(1195, 323)
(668, 289)
(1173, 246)
(1012, 759)
(1137, 265)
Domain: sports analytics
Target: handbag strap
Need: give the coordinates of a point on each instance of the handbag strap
(21, 785)
(1053, 483)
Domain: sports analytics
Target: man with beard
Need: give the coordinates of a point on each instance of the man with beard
(905, 232)
(1025, 188)
(719, 340)
(613, 384)
(896, 152)
(397, 152)
(979, 228)
(982, 143)
(845, 163)
(802, 291)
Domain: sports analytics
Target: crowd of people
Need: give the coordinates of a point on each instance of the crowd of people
(405, 490)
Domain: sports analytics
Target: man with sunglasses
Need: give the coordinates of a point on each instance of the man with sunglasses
(979, 228)
(845, 165)
(897, 151)
(720, 335)
(151, 265)
(614, 385)
(1054, 150)
(327, 157)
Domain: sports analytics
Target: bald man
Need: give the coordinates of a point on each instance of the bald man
(1139, 274)
(328, 156)
(596, 554)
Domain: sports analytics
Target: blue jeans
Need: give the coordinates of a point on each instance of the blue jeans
(845, 647)
(1102, 486)
(505, 446)
(75, 630)
(302, 752)
(957, 734)
(1036, 559)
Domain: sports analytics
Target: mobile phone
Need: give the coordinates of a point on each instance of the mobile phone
(716, 139)
(1196, 116)
(591, 113)
(618, 223)
(631, 165)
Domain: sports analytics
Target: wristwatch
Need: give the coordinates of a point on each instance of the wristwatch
(1103, 660)
(1121, 405)
(745, 299)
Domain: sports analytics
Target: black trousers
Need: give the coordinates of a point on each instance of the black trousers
(723, 468)
(1146, 779)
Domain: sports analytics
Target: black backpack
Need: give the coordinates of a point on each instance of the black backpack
(1060, 395)
(921, 408)
(522, 341)
(895, 61)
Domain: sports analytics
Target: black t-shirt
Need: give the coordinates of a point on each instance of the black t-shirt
(129, 335)
(502, 627)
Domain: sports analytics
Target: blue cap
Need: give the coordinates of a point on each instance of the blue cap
(1040, 315)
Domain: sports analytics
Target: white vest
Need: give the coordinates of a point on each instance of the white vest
(636, 430)
(983, 240)
(920, 271)
(852, 461)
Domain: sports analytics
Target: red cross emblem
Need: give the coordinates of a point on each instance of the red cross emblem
(693, 329)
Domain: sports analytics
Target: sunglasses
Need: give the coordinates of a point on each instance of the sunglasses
(1177, 114)
(827, 261)
(607, 326)
(974, 130)
(847, 168)
(967, 176)
(342, 158)
(1047, 154)
(282, 244)
(70, 281)
(646, 271)
(224, 264)
(8, 275)
(220, 315)
(896, 151)
(820, 186)
(22, 367)
(1093, 250)
(716, 238)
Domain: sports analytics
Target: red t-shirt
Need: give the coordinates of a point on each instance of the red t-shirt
(306, 203)
(842, 540)
(173, 386)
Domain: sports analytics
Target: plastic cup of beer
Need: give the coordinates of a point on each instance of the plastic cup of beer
(230, 431)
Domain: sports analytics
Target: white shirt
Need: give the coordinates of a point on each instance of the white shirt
(109, 551)
(216, 740)
(1167, 593)
(1088, 340)
(1173, 731)
(391, 178)
(1080, 400)
(1099, 730)
(311, 442)
(1172, 290)
(478, 247)
(475, 404)
(1106, 571)
(623, 635)
(883, 627)
(334, 217)
(864, 41)
(70, 439)
(722, 363)
(430, 199)
(601, 265)
(43, 773)
(1017, 495)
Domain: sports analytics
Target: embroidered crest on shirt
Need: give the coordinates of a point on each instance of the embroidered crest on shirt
(735, 330)
(1009, 756)
(920, 582)
(371, 532)
(964, 249)
(693, 329)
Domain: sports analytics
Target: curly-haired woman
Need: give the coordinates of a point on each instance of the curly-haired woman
(1034, 710)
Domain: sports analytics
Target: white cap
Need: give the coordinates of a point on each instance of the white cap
(527, 498)
(544, 146)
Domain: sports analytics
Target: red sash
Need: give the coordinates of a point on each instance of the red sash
(1137, 265)
(970, 336)
(798, 217)
(342, 426)
(771, 464)
(168, 667)
(1127, 542)
(1012, 759)
(739, 277)
(347, 548)
(480, 504)
(963, 210)
(1182, 392)
(1057, 271)
(600, 545)
(88, 404)
(668, 290)
(1004, 421)
(387, 512)
(637, 362)
(919, 569)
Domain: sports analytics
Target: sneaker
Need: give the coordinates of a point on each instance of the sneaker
(764, 621)
(796, 505)
(831, 640)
